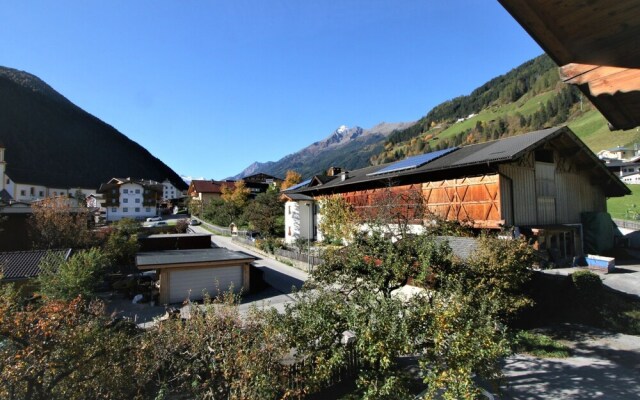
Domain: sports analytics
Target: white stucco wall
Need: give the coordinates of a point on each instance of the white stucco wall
(131, 204)
(169, 191)
(297, 220)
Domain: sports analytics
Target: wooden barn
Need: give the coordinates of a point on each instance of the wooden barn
(541, 182)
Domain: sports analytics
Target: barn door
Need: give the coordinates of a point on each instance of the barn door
(546, 192)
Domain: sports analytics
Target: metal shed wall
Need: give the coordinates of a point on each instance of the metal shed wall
(522, 196)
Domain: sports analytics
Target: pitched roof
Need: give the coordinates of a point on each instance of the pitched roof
(297, 197)
(208, 186)
(472, 159)
(17, 265)
(117, 182)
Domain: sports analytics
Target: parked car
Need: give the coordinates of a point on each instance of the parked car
(154, 219)
(194, 222)
(159, 223)
(253, 235)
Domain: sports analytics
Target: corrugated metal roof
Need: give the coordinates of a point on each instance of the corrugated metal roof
(489, 152)
(145, 260)
(16, 265)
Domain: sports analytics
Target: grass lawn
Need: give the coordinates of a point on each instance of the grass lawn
(539, 345)
(626, 207)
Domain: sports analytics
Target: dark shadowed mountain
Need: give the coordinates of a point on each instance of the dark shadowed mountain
(52, 142)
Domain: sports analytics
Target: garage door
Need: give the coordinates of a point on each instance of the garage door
(192, 282)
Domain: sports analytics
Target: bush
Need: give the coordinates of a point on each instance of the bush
(586, 284)
(78, 276)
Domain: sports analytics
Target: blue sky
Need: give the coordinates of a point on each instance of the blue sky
(211, 86)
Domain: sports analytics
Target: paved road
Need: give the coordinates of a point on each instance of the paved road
(281, 277)
(603, 365)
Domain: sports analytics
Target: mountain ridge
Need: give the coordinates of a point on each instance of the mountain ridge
(52, 142)
(526, 98)
(324, 153)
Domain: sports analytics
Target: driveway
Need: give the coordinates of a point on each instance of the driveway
(603, 365)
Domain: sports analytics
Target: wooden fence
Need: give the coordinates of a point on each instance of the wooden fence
(300, 256)
(622, 223)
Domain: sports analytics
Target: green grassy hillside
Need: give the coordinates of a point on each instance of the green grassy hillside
(528, 98)
(627, 207)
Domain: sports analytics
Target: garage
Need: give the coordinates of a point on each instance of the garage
(193, 283)
(193, 272)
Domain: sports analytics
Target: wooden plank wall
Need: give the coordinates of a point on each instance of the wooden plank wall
(473, 199)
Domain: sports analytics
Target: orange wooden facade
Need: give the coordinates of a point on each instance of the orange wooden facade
(475, 200)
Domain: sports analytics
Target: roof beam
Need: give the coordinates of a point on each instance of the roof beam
(601, 79)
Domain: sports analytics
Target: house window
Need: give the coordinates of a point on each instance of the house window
(148, 209)
(113, 209)
(137, 191)
(125, 200)
(32, 191)
(41, 193)
(113, 201)
(125, 209)
(23, 193)
(137, 209)
(113, 191)
(289, 210)
(125, 191)
(137, 200)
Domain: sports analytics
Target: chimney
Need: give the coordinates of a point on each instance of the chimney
(344, 176)
(333, 171)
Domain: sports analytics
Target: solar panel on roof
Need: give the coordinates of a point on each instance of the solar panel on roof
(413, 162)
(298, 186)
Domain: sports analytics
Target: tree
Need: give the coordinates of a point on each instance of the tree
(78, 276)
(265, 214)
(222, 213)
(121, 244)
(238, 196)
(339, 221)
(56, 224)
(454, 328)
(292, 178)
(63, 350)
(194, 206)
(217, 354)
(460, 342)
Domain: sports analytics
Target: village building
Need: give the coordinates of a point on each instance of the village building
(22, 267)
(542, 183)
(130, 198)
(20, 186)
(260, 183)
(206, 190)
(189, 268)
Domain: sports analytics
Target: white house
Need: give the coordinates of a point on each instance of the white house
(301, 218)
(169, 191)
(130, 198)
(618, 153)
